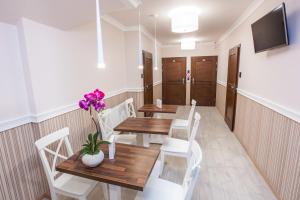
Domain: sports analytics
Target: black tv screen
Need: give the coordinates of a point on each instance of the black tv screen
(271, 30)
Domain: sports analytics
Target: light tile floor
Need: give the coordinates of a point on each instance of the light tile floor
(227, 172)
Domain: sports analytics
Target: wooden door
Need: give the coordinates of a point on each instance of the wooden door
(173, 80)
(204, 80)
(232, 84)
(148, 78)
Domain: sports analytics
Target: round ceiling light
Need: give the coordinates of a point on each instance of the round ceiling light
(184, 20)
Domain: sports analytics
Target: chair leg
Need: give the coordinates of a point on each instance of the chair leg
(171, 132)
(105, 190)
(53, 195)
(162, 162)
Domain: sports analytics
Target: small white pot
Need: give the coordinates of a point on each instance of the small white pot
(92, 160)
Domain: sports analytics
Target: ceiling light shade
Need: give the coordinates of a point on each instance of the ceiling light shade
(188, 44)
(184, 20)
(100, 56)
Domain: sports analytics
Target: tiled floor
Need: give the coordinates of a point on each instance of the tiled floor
(227, 172)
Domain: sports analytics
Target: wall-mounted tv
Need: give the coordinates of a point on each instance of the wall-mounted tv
(271, 31)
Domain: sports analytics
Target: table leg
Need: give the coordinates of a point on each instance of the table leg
(157, 139)
(146, 140)
(114, 192)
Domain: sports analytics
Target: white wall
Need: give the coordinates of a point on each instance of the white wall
(62, 64)
(272, 75)
(202, 49)
(13, 95)
(134, 80)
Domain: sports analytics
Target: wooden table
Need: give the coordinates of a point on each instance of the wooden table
(151, 108)
(146, 126)
(131, 168)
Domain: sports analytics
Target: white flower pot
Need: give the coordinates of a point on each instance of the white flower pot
(92, 160)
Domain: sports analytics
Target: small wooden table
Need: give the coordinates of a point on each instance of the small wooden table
(151, 108)
(146, 126)
(131, 168)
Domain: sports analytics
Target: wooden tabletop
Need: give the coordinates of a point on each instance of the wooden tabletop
(130, 168)
(145, 125)
(154, 109)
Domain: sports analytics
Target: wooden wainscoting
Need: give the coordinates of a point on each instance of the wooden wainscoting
(221, 98)
(273, 143)
(21, 172)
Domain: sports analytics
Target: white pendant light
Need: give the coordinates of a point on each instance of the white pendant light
(100, 56)
(184, 20)
(140, 53)
(155, 45)
(188, 44)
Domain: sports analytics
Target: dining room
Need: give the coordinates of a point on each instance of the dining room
(149, 100)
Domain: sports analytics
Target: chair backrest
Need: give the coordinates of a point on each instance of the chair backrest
(112, 117)
(42, 144)
(195, 129)
(191, 114)
(192, 171)
(130, 107)
(106, 123)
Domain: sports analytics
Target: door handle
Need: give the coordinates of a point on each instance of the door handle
(182, 80)
(193, 80)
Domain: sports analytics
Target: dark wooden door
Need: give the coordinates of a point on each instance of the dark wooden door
(204, 80)
(148, 78)
(173, 80)
(232, 84)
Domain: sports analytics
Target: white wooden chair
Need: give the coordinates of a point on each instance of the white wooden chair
(130, 106)
(112, 117)
(184, 124)
(65, 184)
(179, 147)
(160, 189)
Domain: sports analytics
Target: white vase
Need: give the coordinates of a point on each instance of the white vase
(92, 160)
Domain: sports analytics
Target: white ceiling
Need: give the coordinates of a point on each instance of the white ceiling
(215, 18)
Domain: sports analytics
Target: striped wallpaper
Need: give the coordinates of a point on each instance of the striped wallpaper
(21, 173)
(273, 143)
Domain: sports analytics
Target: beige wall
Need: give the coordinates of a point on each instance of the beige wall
(267, 115)
(271, 75)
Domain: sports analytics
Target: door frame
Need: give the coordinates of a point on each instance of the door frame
(145, 53)
(191, 76)
(237, 82)
(163, 70)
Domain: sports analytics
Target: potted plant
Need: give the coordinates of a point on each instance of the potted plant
(91, 152)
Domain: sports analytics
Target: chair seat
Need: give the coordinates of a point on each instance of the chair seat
(160, 189)
(74, 185)
(125, 139)
(180, 124)
(175, 145)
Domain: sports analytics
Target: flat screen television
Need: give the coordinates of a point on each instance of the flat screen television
(271, 31)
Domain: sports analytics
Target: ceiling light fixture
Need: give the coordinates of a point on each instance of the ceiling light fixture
(100, 56)
(188, 44)
(184, 20)
(140, 53)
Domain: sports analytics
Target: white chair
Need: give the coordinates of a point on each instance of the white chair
(130, 106)
(178, 147)
(183, 124)
(160, 189)
(112, 117)
(65, 184)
